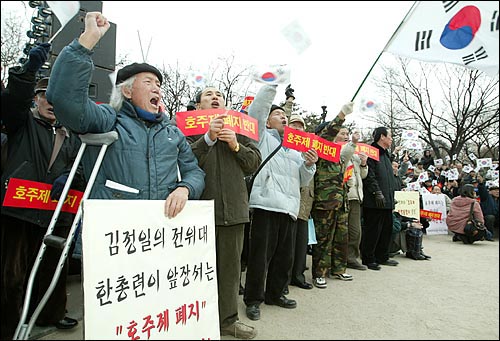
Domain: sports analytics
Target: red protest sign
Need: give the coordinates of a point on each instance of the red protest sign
(430, 214)
(366, 149)
(32, 194)
(197, 122)
(303, 141)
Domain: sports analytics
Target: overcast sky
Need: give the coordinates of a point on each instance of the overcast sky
(346, 39)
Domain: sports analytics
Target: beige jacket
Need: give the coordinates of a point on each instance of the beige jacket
(355, 182)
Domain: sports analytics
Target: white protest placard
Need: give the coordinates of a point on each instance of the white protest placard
(146, 276)
(435, 203)
(407, 203)
(438, 162)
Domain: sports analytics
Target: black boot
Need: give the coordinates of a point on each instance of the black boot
(423, 254)
(414, 243)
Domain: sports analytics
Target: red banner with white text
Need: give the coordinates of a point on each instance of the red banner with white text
(197, 122)
(31, 194)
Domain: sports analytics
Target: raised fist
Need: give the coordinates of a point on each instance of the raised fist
(37, 57)
(347, 108)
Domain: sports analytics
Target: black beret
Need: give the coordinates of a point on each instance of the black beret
(135, 68)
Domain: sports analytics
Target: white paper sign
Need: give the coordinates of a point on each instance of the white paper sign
(408, 204)
(146, 276)
(435, 203)
(438, 162)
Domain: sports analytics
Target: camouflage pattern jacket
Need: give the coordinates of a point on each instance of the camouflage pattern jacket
(330, 192)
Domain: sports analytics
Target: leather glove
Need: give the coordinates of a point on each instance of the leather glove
(379, 199)
(58, 186)
(37, 56)
(289, 91)
(347, 108)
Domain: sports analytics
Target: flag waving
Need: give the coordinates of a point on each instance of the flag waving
(458, 32)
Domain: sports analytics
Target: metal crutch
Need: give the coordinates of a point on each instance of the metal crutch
(23, 330)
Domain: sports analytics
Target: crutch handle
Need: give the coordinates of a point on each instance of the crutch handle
(54, 241)
(99, 139)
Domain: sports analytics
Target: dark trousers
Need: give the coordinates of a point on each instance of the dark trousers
(229, 242)
(20, 243)
(270, 256)
(376, 235)
(491, 223)
(299, 260)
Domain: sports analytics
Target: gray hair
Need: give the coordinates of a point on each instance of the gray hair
(117, 98)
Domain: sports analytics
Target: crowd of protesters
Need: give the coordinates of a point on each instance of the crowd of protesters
(350, 201)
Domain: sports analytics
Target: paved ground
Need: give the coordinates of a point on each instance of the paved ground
(454, 296)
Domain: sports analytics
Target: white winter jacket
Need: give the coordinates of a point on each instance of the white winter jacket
(277, 186)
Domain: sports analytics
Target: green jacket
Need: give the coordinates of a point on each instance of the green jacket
(330, 192)
(224, 176)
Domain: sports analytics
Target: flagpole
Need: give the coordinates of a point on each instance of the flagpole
(385, 47)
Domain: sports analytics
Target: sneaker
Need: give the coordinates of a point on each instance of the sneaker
(319, 282)
(342, 277)
(239, 330)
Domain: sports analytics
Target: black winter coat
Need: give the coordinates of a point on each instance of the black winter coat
(30, 144)
(380, 178)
